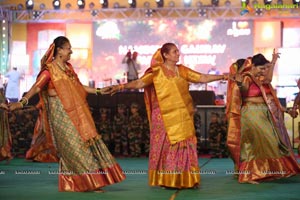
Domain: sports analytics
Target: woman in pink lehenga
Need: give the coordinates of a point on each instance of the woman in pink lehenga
(173, 160)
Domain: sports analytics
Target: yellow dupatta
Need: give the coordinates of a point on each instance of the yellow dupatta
(174, 100)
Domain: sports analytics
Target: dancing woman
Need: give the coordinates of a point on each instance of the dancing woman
(173, 160)
(85, 163)
(257, 137)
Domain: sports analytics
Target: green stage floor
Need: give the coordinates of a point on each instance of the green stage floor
(215, 184)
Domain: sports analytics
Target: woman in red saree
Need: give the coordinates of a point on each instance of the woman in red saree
(257, 137)
(85, 163)
(173, 160)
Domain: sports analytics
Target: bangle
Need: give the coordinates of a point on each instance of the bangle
(121, 87)
(24, 101)
(98, 91)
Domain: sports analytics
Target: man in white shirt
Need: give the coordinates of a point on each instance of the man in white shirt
(133, 66)
(12, 91)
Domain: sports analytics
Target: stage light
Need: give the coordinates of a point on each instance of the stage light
(116, 5)
(104, 3)
(36, 14)
(259, 12)
(296, 2)
(199, 4)
(202, 12)
(68, 6)
(29, 4)
(215, 2)
(81, 4)
(244, 2)
(42, 6)
(94, 13)
(132, 3)
(56, 4)
(187, 3)
(267, 2)
(91, 5)
(20, 6)
(227, 3)
(148, 12)
(160, 3)
(146, 4)
(172, 4)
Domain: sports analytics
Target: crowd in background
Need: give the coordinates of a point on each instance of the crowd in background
(125, 131)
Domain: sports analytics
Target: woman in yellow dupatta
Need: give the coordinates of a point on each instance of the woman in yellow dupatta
(85, 163)
(173, 161)
(265, 151)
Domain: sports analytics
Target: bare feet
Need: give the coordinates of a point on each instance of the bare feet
(197, 186)
(99, 191)
(8, 160)
(253, 182)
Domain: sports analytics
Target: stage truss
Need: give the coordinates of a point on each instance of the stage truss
(206, 12)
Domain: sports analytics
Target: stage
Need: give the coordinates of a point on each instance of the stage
(216, 183)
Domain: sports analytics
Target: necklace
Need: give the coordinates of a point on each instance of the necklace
(66, 70)
(171, 72)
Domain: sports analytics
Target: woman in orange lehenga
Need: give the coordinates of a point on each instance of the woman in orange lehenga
(85, 162)
(5, 136)
(42, 148)
(257, 137)
(173, 161)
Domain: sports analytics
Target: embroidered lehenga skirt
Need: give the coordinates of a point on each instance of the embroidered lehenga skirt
(176, 165)
(265, 150)
(83, 166)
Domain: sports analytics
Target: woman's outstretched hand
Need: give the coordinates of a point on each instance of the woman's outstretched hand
(275, 56)
(4, 106)
(110, 89)
(15, 106)
(115, 89)
(293, 113)
(106, 90)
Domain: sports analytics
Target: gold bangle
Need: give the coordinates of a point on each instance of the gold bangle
(121, 87)
(24, 101)
(98, 91)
